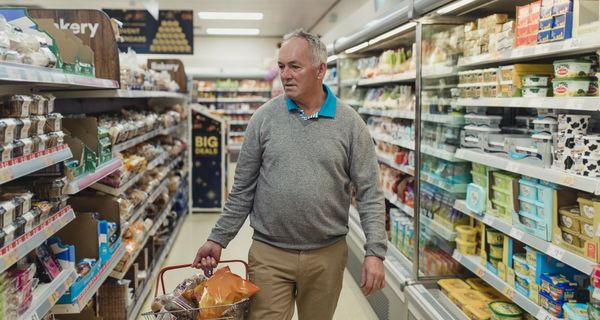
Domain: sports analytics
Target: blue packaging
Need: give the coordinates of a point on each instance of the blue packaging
(544, 36)
(562, 7)
(546, 24)
(564, 32)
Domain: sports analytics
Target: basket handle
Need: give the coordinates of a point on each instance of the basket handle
(161, 282)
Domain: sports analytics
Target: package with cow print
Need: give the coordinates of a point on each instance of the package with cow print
(577, 150)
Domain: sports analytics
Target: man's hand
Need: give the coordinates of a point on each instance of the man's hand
(208, 257)
(373, 276)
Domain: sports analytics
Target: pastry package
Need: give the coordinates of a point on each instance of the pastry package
(15, 106)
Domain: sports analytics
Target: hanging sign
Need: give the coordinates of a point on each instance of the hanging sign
(174, 67)
(208, 162)
(172, 33)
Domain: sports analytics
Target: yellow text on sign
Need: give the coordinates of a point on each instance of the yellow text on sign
(206, 145)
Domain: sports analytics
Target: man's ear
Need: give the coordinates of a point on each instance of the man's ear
(321, 70)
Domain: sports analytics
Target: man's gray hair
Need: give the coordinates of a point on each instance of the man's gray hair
(317, 48)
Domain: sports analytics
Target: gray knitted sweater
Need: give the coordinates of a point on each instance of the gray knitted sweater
(294, 179)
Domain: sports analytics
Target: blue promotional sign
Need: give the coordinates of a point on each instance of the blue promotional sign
(208, 162)
(172, 33)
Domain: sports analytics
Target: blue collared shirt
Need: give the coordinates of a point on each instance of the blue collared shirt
(327, 109)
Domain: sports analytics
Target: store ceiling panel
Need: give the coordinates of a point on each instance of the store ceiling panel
(280, 16)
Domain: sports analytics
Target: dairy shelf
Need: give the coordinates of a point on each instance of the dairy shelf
(532, 168)
(447, 119)
(388, 160)
(393, 199)
(349, 82)
(442, 184)
(473, 264)
(554, 49)
(439, 71)
(560, 103)
(440, 230)
(353, 102)
(46, 294)
(142, 208)
(155, 225)
(88, 179)
(32, 239)
(410, 145)
(117, 191)
(439, 153)
(396, 78)
(22, 166)
(50, 78)
(140, 301)
(396, 114)
(578, 262)
(92, 288)
(121, 93)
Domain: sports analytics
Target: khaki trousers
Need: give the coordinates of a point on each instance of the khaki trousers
(312, 279)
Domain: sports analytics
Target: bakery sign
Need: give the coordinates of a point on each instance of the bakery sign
(172, 33)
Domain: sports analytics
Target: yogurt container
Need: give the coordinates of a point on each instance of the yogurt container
(535, 81)
(532, 92)
(593, 89)
(505, 310)
(571, 87)
(572, 68)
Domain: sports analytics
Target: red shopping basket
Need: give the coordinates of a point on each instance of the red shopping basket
(236, 311)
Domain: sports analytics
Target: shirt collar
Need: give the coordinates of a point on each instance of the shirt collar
(327, 109)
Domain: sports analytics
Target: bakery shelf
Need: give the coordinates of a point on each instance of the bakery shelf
(49, 78)
(21, 246)
(410, 145)
(578, 262)
(473, 264)
(205, 100)
(46, 294)
(134, 312)
(236, 134)
(399, 114)
(121, 93)
(25, 165)
(408, 76)
(155, 226)
(234, 147)
(117, 191)
(388, 160)
(230, 112)
(532, 168)
(561, 103)
(93, 287)
(442, 184)
(88, 179)
(442, 154)
(135, 141)
(147, 136)
(447, 119)
(142, 207)
(393, 199)
(560, 48)
(440, 230)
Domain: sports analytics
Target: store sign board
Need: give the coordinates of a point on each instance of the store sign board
(174, 67)
(208, 158)
(88, 35)
(172, 33)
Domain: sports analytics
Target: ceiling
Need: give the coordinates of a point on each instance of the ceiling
(280, 16)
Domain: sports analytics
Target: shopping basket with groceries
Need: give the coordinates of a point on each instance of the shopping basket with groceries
(222, 295)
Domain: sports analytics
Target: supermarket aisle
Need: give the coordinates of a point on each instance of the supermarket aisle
(196, 228)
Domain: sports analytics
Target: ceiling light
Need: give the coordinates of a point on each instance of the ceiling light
(332, 58)
(394, 32)
(233, 31)
(230, 15)
(453, 6)
(357, 47)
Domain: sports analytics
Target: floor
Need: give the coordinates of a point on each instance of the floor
(352, 304)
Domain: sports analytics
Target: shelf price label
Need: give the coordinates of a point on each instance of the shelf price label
(480, 272)
(567, 180)
(543, 315)
(555, 252)
(516, 234)
(508, 291)
(457, 255)
(487, 219)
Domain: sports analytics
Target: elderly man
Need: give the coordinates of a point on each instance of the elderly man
(302, 154)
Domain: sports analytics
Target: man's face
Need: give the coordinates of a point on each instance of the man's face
(299, 76)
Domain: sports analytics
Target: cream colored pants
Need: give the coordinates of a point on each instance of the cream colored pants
(312, 279)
